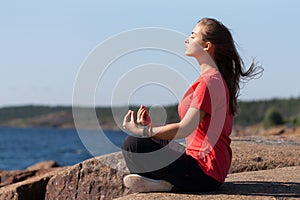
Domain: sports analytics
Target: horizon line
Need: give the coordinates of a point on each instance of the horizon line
(133, 105)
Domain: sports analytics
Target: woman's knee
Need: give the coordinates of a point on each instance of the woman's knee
(139, 145)
(129, 142)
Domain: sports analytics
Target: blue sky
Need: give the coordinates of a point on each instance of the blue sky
(44, 43)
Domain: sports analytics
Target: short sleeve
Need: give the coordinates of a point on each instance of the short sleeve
(201, 97)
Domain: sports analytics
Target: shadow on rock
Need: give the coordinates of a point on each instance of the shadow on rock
(258, 188)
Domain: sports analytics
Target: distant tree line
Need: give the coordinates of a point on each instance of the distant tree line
(29, 111)
(268, 112)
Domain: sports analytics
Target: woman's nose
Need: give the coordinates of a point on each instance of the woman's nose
(186, 40)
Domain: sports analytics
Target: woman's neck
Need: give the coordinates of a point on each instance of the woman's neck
(206, 63)
(205, 67)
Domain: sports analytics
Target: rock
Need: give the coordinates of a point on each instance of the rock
(101, 177)
(282, 183)
(90, 179)
(10, 177)
(33, 188)
(96, 178)
(264, 153)
(43, 165)
(115, 161)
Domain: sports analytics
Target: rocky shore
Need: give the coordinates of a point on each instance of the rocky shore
(262, 168)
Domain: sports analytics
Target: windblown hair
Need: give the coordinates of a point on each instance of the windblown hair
(227, 58)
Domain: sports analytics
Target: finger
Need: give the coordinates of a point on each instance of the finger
(140, 117)
(144, 107)
(143, 117)
(146, 114)
(142, 114)
(131, 116)
(127, 116)
(146, 111)
(126, 119)
(139, 111)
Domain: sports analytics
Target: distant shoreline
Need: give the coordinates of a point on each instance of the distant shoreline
(251, 114)
(48, 127)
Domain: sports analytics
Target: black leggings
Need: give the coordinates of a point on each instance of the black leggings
(184, 172)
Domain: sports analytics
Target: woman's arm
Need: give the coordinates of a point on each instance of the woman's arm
(181, 129)
(170, 131)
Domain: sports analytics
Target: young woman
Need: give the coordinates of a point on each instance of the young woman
(206, 117)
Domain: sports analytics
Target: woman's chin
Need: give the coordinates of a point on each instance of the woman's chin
(187, 53)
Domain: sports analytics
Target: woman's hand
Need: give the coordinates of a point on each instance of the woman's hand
(143, 117)
(129, 123)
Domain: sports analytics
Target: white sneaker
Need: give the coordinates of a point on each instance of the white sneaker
(139, 183)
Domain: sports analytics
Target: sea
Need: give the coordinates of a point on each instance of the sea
(23, 147)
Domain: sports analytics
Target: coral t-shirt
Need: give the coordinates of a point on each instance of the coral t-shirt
(209, 143)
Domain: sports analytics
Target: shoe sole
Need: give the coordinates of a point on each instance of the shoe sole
(139, 183)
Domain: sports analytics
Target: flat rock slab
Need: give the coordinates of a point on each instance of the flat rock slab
(280, 183)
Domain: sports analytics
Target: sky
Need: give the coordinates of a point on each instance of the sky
(44, 45)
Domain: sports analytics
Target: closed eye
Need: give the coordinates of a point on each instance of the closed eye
(193, 35)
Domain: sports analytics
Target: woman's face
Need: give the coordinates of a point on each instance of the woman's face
(193, 44)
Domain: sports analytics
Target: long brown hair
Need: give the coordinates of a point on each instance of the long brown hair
(227, 58)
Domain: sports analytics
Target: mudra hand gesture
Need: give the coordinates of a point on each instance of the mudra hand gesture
(143, 119)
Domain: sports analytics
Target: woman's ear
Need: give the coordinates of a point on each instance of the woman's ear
(208, 46)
